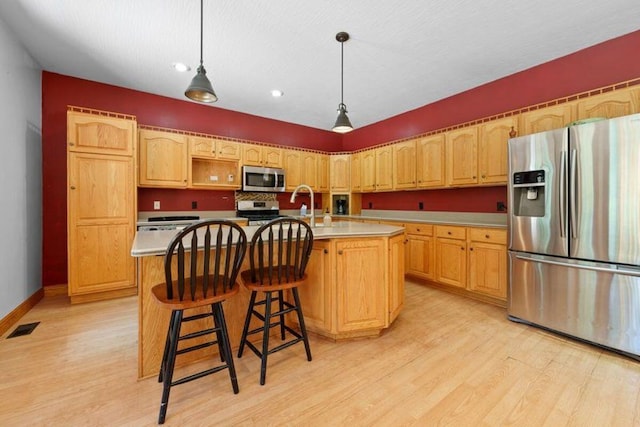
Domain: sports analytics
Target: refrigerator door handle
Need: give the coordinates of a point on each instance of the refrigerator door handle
(563, 193)
(629, 271)
(572, 195)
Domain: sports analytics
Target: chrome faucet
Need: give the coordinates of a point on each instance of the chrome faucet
(293, 199)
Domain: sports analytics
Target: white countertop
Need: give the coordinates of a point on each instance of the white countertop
(155, 242)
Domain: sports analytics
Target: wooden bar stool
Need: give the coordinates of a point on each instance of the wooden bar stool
(202, 263)
(278, 255)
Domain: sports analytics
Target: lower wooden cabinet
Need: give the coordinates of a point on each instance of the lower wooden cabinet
(355, 286)
(471, 260)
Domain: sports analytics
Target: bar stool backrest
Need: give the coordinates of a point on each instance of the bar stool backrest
(279, 251)
(223, 245)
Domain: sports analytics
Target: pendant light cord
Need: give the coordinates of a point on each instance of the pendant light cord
(341, 73)
(201, 27)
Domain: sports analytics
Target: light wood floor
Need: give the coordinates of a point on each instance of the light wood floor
(447, 360)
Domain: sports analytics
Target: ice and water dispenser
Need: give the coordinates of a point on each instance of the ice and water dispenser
(529, 193)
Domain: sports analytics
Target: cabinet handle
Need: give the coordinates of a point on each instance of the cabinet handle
(470, 249)
(474, 177)
(71, 144)
(417, 229)
(486, 236)
(340, 252)
(462, 248)
(483, 176)
(73, 187)
(449, 233)
(326, 251)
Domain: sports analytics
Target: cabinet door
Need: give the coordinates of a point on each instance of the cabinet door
(356, 173)
(292, 166)
(451, 262)
(548, 118)
(396, 276)
(272, 157)
(462, 156)
(228, 150)
(323, 173)
(430, 161)
(316, 298)
(163, 159)
(202, 147)
(363, 303)
(610, 105)
(384, 168)
(368, 164)
(421, 256)
(488, 269)
(91, 133)
(101, 209)
(252, 155)
(404, 165)
(492, 160)
(339, 172)
(310, 170)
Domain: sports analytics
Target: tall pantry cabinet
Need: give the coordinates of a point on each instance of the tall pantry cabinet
(101, 204)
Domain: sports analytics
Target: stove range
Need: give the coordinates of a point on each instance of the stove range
(258, 212)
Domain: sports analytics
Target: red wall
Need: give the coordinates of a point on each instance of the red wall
(614, 61)
(482, 199)
(611, 62)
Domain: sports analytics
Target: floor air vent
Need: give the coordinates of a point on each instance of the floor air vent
(21, 330)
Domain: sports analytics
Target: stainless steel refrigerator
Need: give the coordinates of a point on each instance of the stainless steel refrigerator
(574, 232)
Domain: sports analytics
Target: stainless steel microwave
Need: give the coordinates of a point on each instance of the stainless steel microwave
(256, 178)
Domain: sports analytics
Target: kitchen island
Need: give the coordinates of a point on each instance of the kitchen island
(355, 287)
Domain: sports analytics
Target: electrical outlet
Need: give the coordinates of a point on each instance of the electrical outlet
(501, 207)
(194, 205)
(420, 205)
(156, 205)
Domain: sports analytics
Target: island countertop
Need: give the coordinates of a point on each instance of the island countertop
(148, 243)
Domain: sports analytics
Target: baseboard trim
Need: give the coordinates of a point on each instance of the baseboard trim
(56, 290)
(12, 318)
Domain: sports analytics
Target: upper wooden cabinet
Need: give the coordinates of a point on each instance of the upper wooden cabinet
(261, 155)
(368, 170)
(323, 183)
(356, 172)
(163, 159)
(462, 156)
(340, 172)
(92, 133)
(214, 148)
(430, 164)
(311, 170)
(404, 165)
(384, 168)
(492, 150)
(548, 118)
(609, 105)
(292, 165)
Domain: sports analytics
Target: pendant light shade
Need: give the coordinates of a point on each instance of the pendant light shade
(343, 124)
(200, 89)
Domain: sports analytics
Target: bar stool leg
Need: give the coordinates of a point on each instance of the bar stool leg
(303, 328)
(281, 306)
(265, 337)
(247, 322)
(225, 347)
(176, 320)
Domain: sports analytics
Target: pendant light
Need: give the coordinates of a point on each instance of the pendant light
(200, 88)
(343, 125)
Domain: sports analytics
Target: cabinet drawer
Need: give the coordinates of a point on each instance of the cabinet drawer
(490, 235)
(422, 229)
(451, 232)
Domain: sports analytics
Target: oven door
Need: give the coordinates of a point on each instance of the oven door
(260, 179)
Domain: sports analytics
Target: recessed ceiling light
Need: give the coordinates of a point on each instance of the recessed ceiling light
(276, 93)
(179, 66)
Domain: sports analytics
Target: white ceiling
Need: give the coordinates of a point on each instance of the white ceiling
(402, 54)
